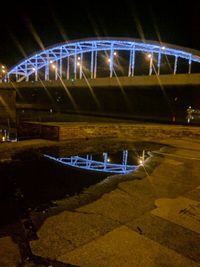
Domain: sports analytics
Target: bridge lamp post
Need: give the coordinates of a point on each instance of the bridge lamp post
(80, 69)
(150, 57)
(36, 73)
(80, 65)
(111, 61)
(55, 68)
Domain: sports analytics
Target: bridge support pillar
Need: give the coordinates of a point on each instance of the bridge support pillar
(151, 64)
(125, 159)
(158, 65)
(36, 69)
(175, 65)
(81, 66)
(75, 63)
(92, 65)
(47, 72)
(95, 64)
(68, 58)
(60, 68)
(105, 159)
(131, 70)
(190, 66)
(111, 62)
(56, 70)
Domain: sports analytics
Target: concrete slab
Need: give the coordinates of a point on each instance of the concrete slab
(64, 232)
(124, 247)
(171, 180)
(9, 253)
(168, 234)
(194, 194)
(182, 211)
(117, 205)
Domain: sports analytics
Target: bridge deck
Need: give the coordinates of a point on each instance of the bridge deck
(153, 80)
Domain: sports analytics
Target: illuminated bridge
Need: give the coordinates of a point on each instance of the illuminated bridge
(111, 77)
(103, 57)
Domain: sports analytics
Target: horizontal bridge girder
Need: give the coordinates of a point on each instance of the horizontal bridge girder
(109, 83)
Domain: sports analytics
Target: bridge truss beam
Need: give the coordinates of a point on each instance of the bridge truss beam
(73, 53)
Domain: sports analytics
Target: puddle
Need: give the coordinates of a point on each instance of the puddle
(35, 180)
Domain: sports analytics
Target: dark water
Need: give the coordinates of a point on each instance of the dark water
(152, 103)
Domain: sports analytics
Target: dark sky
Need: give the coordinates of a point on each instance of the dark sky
(26, 28)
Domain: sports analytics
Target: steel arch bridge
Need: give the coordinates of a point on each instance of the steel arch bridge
(88, 163)
(67, 58)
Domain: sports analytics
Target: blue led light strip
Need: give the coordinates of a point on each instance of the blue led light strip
(33, 64)
(88, 163)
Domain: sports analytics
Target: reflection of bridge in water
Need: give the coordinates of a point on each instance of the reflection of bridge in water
(89, 163)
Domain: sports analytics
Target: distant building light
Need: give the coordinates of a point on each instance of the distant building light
(163, 47)
(79, 58)
(115, 53)
(51, 61)
(109, 60)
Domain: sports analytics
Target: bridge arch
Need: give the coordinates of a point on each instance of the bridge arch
(74, 51)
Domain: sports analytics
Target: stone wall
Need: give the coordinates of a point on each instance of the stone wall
(139, 131)
(7, 106)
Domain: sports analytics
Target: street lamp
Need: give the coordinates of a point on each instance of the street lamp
(2, 72)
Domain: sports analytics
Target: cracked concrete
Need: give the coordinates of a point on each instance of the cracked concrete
(123, 226)
(129, 234)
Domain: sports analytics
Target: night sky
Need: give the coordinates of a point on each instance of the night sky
(27, 28)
